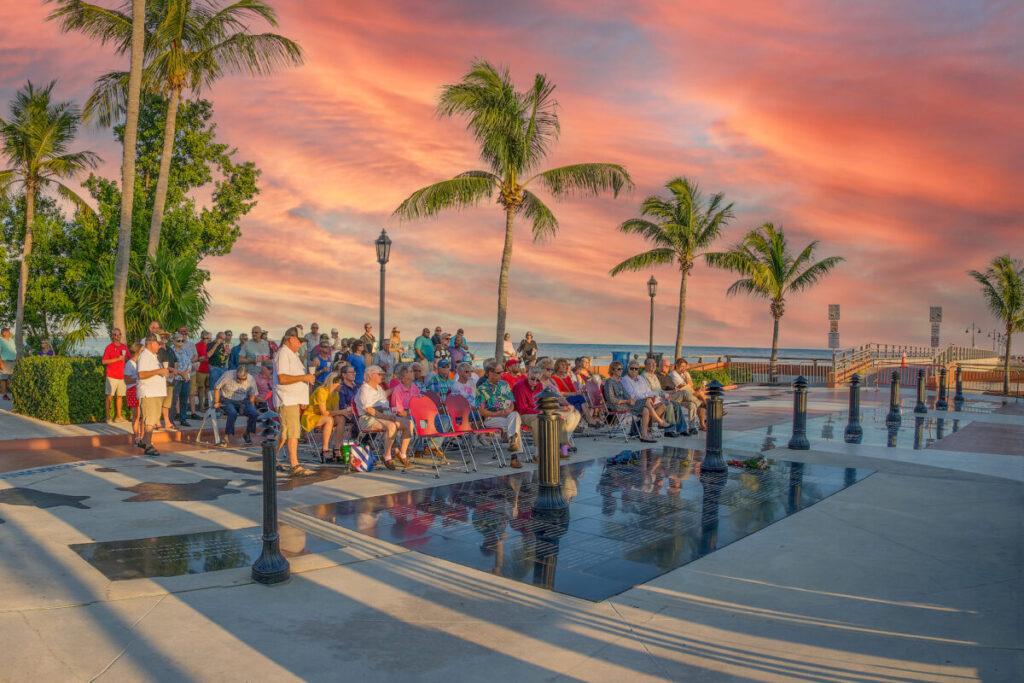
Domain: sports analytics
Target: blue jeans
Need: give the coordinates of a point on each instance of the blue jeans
(181, 391)
(215, 375)
(233, 408)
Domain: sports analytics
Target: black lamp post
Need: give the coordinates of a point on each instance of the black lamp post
(972, 330)
(652, 289)
(383, 245)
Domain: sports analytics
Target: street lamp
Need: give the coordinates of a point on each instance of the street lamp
(383, 245)
(972, 330)
(652, 289)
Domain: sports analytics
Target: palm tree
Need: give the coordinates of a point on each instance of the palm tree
(35, 142)
(1002, 284)
(681, 229)
(515, 131)
(771, 272)
(189, 45)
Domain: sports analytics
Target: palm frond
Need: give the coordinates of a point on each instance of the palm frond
(95, 22)
(813, 273)
(543, 127)
(456, 193)
(254, 54)
(109, 98)
(544, 223)
(654, 257)
(67, 193)
(652, 232)
(1002, 285)
(748, 286)
(585, 179)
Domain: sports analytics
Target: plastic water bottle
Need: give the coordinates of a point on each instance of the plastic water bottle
(346, 452)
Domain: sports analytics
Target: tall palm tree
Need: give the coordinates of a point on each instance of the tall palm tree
(515, 131)
(35, 141)
(770, 271)
(681, 229)
(1002, 285)
(189, 45)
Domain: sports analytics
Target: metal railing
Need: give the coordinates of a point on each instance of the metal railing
(817, 372)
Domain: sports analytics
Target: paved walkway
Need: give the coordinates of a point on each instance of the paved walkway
(912, 574)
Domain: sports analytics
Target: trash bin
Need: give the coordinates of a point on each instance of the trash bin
(622, 356)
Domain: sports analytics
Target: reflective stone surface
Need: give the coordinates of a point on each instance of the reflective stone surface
(204, 489)
(192, 553)
(626, 523)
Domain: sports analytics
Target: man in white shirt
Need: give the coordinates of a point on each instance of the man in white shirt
(151, 390)
(291, 390)
(375, 415)
(464, 383)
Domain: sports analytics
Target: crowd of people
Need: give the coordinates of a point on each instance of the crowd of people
(344, 386)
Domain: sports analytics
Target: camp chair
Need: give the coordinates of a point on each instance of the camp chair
(621, 420)
(423, 412)
(372, 438)
(209, 416)
(461, 413)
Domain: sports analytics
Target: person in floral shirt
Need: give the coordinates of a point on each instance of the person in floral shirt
(498, 408)
(439, 381)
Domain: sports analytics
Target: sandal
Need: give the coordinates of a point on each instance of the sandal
(151, 451)
(300, 471)
(403, 459)
(648, 440)
(389, 463)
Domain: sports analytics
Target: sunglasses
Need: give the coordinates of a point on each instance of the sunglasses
(633, 367)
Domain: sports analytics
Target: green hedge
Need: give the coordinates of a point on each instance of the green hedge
(700, 376)
(58, 389)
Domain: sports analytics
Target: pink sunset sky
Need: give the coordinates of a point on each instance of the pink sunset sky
(888, 131)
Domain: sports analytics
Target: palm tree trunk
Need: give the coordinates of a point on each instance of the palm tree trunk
(772, 374)
(506, 263)
(1006, 361)
(682, 315)
(160, 197)
(26, 251)
(131, 127)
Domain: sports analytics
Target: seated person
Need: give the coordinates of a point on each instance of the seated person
(496, 404)
(418, 377)
(375, 415)
(236, 391)
(571, 391)
(673, 410)
(618, 400)
(689, 393)
(324, 411)
(439, 382)
(571, 415)
(525, 394)
(513, 371)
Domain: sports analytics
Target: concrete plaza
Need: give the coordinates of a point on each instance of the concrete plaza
(912, 574)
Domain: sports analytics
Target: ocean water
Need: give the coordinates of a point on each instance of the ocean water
(95, 346)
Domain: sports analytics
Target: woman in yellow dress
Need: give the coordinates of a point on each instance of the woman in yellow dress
(323, 411)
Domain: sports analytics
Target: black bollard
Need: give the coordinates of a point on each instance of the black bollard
(712, 482)
(849, 476)
(892, 431)
(713, 443)
(958, 397)
(941, 404)
(854, 433)
(549, 495)
(940, 429)
(799, 442)
(271, 567)
(921, 406)
(893, 419)
(796, 487)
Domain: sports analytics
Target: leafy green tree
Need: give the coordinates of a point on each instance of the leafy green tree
(515, 131)
(189, 45)
(36, 138)
(1002, 285)
(770, 271)
(199, 161)
(681, 229)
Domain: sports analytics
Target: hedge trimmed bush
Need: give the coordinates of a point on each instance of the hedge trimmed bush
(58, 389)
(699, 376)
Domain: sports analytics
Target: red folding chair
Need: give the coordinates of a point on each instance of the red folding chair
(424, 412)
(461, 413)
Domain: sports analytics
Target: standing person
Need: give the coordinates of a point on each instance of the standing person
(396, 344)
(272, 344)
(45, 349)
(151, 390)
(436, 339)
(201, 383)
(335, 340)
(423, 347)
(229, 338)
(290, 392)
(237, 392)
(384, 358)
(357, 359)
(8, 359)
(313, 338)
(508, 347)
(114, 357)
(442, 351)
(256, 350)
(182, 378)
(131, 380)
(496, 404)
(527, 350)
(368, 339)
(217, 357)
(165, 354)
(236, 351)
(319, 363)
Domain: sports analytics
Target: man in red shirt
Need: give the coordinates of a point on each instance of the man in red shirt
(114, 357)
(201, 383)
(525, 394)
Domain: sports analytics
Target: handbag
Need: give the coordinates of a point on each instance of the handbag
(361, 458)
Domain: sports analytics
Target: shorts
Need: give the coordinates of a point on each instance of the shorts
(152, 408)
(116, 387)
(8, 369)
(291, 427)
(201, 385)
(368, 423)
(168, 400)
(132, 397)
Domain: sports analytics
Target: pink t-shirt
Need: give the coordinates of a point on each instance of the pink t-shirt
(400, 396)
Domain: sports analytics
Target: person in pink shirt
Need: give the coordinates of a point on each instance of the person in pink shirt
(404, 391)
(114, 357)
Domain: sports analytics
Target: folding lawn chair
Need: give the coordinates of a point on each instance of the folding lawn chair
(423, 412)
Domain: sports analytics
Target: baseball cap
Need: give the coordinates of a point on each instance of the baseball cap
(324, 337)
(334, 330)
(511, 362)
(444, 363)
